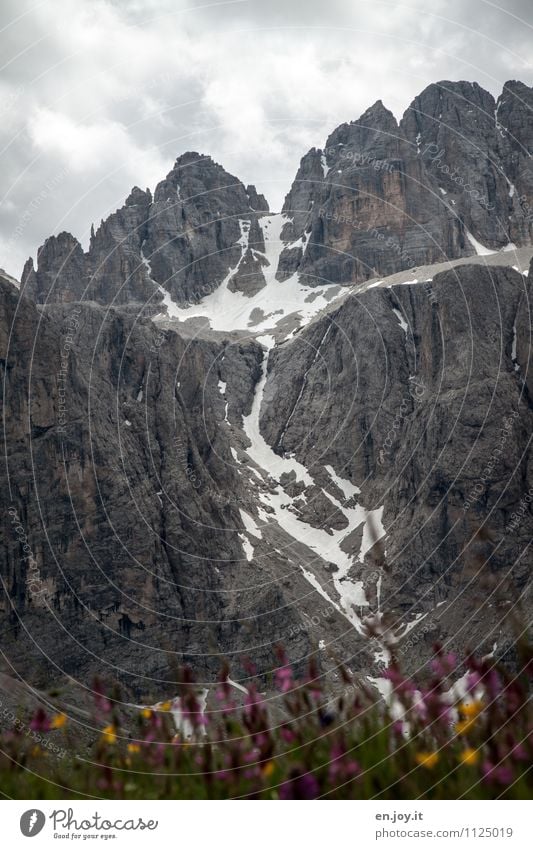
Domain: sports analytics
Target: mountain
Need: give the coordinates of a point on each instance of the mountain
(228, 429)
(454, 177)
(184, 240)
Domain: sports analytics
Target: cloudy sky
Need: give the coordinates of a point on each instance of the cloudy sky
(99, 95)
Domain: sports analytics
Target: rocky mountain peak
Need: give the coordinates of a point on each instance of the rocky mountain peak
(139, 198)
(60, 271)
(452, 178)
(258, 202)
(378, 116)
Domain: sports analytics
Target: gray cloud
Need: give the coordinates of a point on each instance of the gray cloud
(98, 96)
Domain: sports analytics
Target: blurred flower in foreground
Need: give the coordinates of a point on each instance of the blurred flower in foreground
(109, 734)
(59, 720)
(300, 786)
(469, 757)
(427, 759)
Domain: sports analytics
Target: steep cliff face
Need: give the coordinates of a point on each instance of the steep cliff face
(419, 396)
(239, 452)
(453, 178)
(124, 545)
(463, 143)
(182, 242)
(200, 221)
(514, 117)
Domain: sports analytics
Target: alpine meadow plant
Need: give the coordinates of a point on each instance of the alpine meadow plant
(438, 738)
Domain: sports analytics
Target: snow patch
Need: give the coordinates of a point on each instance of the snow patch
(260, 451)
(226, 310)
(347, 487)
(401, 320)
(250, 525)
(480, 249)
(513, 350)
(372, 531)
(247, 547)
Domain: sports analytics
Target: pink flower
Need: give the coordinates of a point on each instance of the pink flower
(519, 753)
(502, 774)
(100, 699)
(287, 735)
(473, 680)
(284, 679)
(40, 721)
(299, 786)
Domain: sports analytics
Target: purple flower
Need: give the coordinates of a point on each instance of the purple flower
(473, 680)
(301, 785)
(40, 721)
(502, 774)
(284, 679)
(287, 735)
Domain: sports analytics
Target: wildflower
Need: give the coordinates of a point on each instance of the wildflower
(101, 701)
(471, 709)
(299, 786)
(146, 713)
(109, 734)
(268, 769)
(223, 774)
(340, 767)
(519, 753)
(284, 679)
(463, 726)
(165, 706)
(473, 681)
(469, 757)
(58, 721)
(501, 774)
(133, 748)
(444, 664)
(287, 735)
(40, 721)
(427, 759)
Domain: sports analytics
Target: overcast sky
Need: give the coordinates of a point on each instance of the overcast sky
(99, 95)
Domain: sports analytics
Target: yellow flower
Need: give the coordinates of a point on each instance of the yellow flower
(134, 748)
(463, 726)
(469, 757)
(146, 713)
(267, 769)
(165, 706)
(109, 734)
(427, 759)
(472, 709)
(59, 720)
